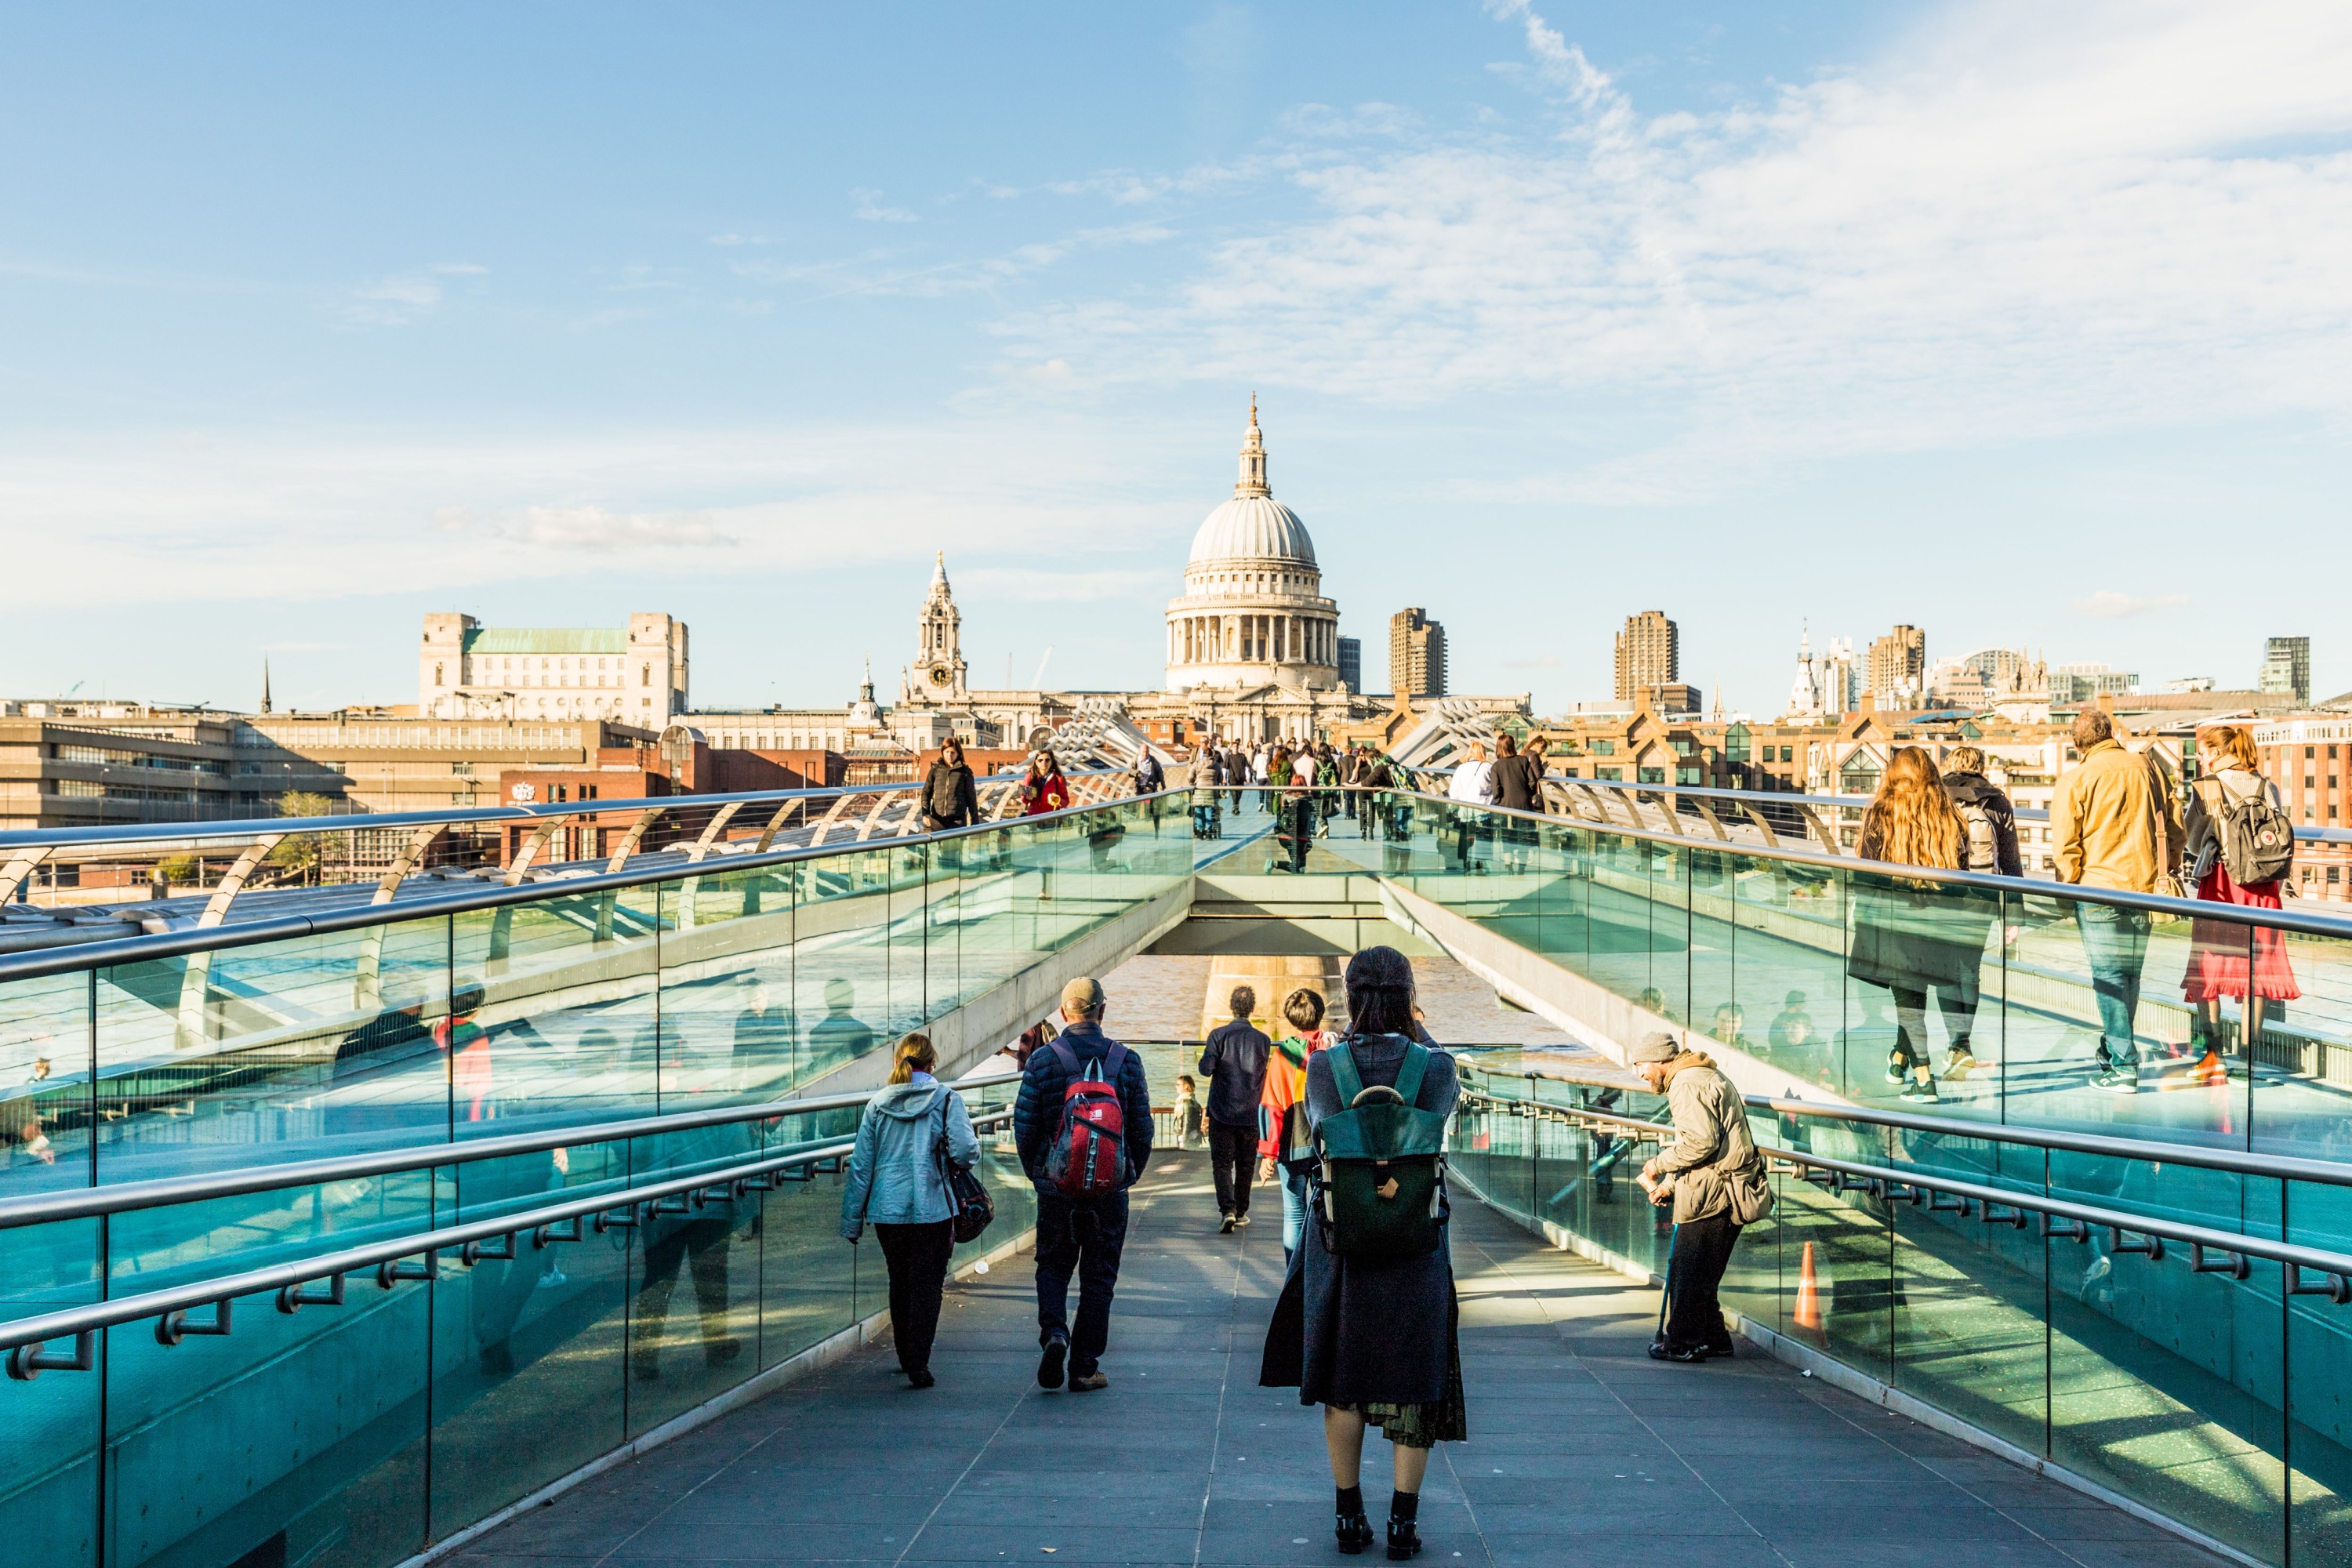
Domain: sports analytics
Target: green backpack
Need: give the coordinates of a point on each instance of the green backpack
(1380, 1165)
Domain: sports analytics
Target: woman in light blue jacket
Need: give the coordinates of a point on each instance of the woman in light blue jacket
(896, 1185)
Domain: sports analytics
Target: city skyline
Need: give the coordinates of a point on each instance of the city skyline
(547, 359)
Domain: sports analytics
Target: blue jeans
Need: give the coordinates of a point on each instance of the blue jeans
(2115, 941)
(1085, 1237)
(1293, 1211)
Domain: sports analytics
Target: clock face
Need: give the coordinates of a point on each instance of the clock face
(938, 675)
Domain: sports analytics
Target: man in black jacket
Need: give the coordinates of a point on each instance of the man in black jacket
(1235, 1064)
(1079, 1234)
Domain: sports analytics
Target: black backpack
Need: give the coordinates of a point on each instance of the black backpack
(2255, 838)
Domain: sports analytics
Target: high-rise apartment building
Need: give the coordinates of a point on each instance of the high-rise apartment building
(1351, 663)
(1898, 667)
(1416, 653)
(2286, 667)
(1649, 654)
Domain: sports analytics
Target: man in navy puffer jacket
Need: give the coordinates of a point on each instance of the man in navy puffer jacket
(1081, 1235)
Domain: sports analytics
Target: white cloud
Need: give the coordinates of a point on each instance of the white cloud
(392, 300)
(2110, 605)
(259, 516)
(2019, 223)
(870, 209)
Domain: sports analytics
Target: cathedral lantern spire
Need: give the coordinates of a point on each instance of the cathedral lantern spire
(1252, 482)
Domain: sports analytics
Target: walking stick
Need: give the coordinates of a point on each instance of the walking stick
(1667, 1293)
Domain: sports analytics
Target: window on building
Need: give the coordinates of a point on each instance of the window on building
(2335, 875)
(2309, 753)
(1651, 775)
(1604, 749)
(1690, 775)
(1788, 753)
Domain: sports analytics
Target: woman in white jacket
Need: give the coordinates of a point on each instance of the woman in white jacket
(896, 1185)
(1473, 787)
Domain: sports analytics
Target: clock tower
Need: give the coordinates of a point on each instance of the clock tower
(938, 673)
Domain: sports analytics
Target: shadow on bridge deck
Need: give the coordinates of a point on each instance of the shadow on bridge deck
(1582, 1451)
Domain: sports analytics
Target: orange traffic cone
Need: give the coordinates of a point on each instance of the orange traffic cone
(1809, 1293)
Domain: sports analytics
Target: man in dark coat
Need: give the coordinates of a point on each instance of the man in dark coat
(1079, 1234)
(1235, 1064)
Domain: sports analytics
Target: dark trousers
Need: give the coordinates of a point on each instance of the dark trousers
(1233, 1154)
(702, 1244)
(1702, 1252)
(1085, 1237)
(1299, 826)
(917, 1256)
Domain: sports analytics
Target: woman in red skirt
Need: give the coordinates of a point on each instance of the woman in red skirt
(2218, 950)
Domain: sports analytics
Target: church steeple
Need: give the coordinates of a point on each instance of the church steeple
(1252, 482)
(939, 668)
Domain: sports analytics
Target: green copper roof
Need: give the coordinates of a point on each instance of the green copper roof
(517, 639)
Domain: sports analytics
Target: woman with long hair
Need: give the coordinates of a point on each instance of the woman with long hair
(1375, 1340)
(1911, 934)
(1045, 789)
(2227, 959)
(897, 1183)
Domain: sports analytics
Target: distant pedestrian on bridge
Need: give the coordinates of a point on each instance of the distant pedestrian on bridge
(1082, 1156)
(897, 1182)
(1472, 790)
(950, 798)
(1236, 1063)
(1149, 778)
(1715, 1179)
(1045, 789)
(1283, 1145)
(1202, 773)
(2230, 810)
(2114, 825)
(1909, 934)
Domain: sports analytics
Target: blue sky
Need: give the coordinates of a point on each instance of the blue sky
(2028, 328)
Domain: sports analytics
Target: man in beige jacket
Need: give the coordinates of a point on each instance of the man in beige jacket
(2115, 825)
(1716, 1179)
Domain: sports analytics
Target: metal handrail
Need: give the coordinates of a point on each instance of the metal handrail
(41, 962)
(2337, 927)
(26, 1339)
(1835, 801)
(2244, 1163)
(84, 1203)
(355, 822)
(1920, 1188)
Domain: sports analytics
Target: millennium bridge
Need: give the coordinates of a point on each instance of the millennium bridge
(490, 1213)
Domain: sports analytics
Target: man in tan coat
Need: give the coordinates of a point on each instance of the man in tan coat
(2115, 825)
(1716, 1180)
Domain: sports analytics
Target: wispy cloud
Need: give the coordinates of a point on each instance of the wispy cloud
(2110, 605)
(871, 210)
(2016, 224)
(401, 298)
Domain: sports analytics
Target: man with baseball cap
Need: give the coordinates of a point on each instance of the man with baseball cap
(1713, 1177)
(1081, 1235)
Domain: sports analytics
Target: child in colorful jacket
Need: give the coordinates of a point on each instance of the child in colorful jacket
(1284, 1144)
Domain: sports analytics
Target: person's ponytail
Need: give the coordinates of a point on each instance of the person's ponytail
(914, 1054)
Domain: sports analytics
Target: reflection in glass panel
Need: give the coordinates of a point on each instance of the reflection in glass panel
(283, 1050)
(555, 1016)
(47, 1086)
(726, 1024)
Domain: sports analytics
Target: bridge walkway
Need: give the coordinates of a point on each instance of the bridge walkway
(1583, 1453)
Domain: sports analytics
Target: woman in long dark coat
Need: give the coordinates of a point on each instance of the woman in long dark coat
(1375, 1341)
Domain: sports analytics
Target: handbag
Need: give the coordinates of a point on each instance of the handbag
(974, 1211)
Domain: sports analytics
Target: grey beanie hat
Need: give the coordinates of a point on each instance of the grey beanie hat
(1655, 1047)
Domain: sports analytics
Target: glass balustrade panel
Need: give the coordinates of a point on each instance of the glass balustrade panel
(555, 1019)
(294, 1049)
(728, 1029)
(2300, 1030)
